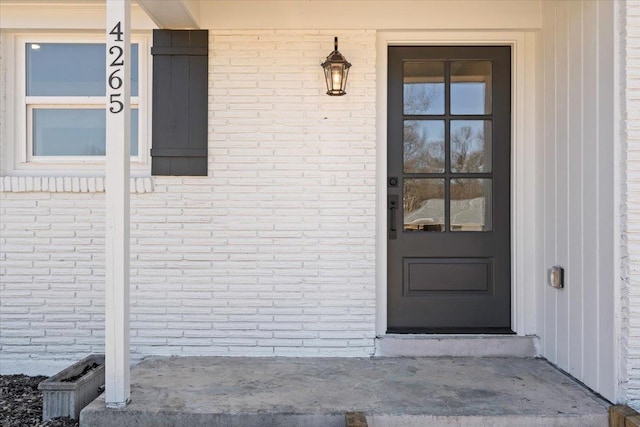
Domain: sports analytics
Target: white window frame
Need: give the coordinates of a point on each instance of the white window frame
(18, 157)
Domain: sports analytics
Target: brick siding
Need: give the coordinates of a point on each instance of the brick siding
(272, 254)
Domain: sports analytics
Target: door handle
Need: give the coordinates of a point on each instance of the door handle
(392, 205)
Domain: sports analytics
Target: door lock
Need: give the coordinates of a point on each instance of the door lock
(392, 204)
(393, 181)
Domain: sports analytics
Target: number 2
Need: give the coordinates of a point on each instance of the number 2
(115, 62)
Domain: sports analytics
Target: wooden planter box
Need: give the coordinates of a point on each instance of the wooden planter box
(67, 398)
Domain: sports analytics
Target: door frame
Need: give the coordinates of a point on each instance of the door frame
(526, 212)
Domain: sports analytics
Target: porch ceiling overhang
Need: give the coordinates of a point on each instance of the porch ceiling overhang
(279, 14)
(173, 14)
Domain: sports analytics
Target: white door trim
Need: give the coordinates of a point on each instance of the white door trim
(525, 198)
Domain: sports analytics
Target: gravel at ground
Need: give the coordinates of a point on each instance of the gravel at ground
(21, 403)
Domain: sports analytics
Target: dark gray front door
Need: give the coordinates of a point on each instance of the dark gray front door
(448, 231)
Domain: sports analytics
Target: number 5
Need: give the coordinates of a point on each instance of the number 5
(117, 103)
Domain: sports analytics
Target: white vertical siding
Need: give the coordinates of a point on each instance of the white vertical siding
(630, 297)
(575, 189)
(528, 207)
(589, 182)
(608, 214)
(578, 184)
(548, 330)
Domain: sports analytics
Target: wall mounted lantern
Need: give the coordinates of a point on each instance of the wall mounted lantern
(336, 70)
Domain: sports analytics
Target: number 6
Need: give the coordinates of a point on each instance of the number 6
(115, 78)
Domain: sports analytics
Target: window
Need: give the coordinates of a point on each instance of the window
(60, 91)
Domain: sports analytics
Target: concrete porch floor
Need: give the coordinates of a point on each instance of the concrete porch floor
(438, 391)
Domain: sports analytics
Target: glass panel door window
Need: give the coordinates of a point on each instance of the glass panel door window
(65, 96)
(447, 148)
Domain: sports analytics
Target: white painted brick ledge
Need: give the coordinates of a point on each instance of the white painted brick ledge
(67, 184)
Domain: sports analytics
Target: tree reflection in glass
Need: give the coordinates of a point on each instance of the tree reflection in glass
(423, 150)
(470, 146)
(423, 88)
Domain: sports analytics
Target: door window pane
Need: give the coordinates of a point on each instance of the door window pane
(423, 204)
(470, 146)
(423, 148)
(423, 87)
(71, 69)
(470, 204)
(471, 87)
(74, 132)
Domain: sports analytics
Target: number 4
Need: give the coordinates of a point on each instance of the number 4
(117, 31)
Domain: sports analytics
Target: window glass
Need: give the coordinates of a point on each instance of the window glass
(470, 204)
(423, 88)
(71, 69)
(423, 148)
(470, 146)
(74, 132)
(471, 87)
(423, 204)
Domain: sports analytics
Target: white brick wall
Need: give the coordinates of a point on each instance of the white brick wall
(52, 273)
(272, 254)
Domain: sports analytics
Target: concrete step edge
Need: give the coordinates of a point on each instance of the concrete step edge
(152, 419)
(586, 420)
(456, 346)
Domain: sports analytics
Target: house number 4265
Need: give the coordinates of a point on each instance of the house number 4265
(116, 54)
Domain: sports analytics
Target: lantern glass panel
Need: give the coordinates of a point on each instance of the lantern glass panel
(336, 77)
(327, 78)
(345, 74)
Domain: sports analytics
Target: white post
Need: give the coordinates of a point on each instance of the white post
(118, 126)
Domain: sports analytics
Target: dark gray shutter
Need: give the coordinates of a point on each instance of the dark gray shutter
(179, 142)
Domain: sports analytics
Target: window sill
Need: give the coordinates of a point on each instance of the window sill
(68, 184)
